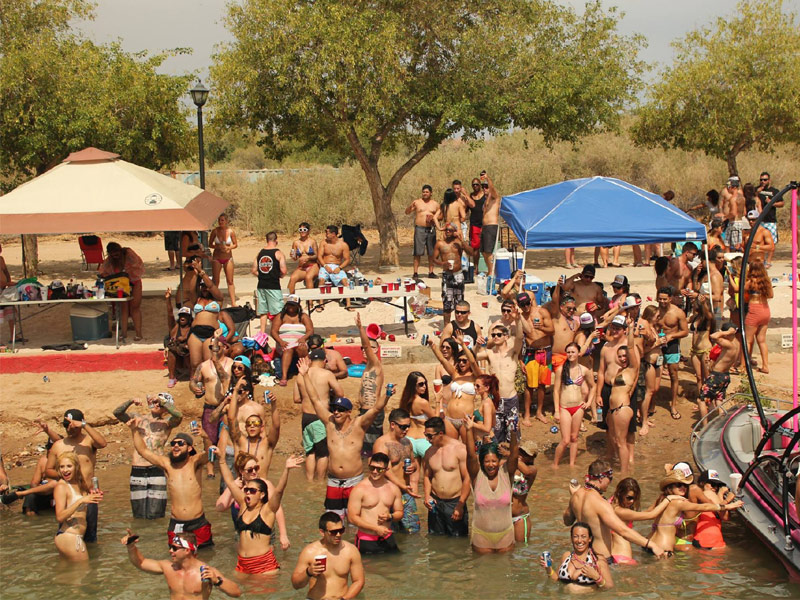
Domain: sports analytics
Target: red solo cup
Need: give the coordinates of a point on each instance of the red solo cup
(383, 335)
(341, 289)
(437, 385)
(384, 288)
(366, 287)
(485, 304)
(119, 293)
(396, 287)
(391, 337)
(321, 559)
(437, 333)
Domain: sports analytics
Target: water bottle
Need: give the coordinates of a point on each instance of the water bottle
(351, 284)
(95, 483)
(599, 413)
(101, 290)
(480, 282)
(554, 429)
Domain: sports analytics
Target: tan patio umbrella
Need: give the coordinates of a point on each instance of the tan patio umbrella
(93, 191)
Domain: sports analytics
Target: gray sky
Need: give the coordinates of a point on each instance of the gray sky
(162, 24)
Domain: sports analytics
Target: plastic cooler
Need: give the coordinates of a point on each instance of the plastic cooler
(503, 260)
(88, 323)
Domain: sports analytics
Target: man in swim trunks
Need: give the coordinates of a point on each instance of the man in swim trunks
(447, 254)
(187, 577)
(671, 321)
(446, 482)
(183, 466)
(712, 393)
(148, 482)
(315, 441)
(84, 440)
(587, 504)
(399, 448)
(536, 352)
(269, 266)
(733, 208)
(334, 256)
(370, 387)
(424, 209)
(491, 216)
(325, 565)
(373, 506)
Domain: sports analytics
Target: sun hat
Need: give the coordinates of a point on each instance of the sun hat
(529, 447)
(675, 476)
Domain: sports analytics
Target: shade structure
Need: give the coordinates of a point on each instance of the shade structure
(94, 191)
(595, 211)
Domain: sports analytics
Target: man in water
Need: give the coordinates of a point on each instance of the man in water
(712, 393)
(345, 437)
(182, 466)
(587, 504)
(446, 482)
(424, 209)
(491, 216)
(400, 448)
(371, 386)
(470, 330)
(373, 506)
(334, 256)
(148, 482)
(537, 351)
(327, 564)
(447, 254)
(84, 440)
(672, 326)
(187, 577)
(333, 358)
(315, 442)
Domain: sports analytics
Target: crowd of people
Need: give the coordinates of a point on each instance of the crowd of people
(595, 357)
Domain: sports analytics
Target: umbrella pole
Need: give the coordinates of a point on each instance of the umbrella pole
(180, 272)
(708, 275)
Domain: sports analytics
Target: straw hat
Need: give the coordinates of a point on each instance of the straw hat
(529, 447)
(676, 476)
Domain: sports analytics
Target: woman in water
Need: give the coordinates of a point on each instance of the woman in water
(621, 415)
(449, 349)
(523, 480)
(125, 260)
(415, 400)
(492, 525)
(223, 240)
(701, 324)
(256, 518)
(572, 393)
(208, 317)
(487, 392)
(247, 469)
(626, 500)
(581, 567)
(291, 329)
(71, 496)
(674, 487)
(708, 531)
(758, 292)
(458, 398)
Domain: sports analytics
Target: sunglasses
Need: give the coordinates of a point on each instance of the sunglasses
(377, 468)
(253, 469)
(176, 548)
(302, 229)
(589, 277)
(569, 308)
(403, 427)
(430, 436)
(462, 312)
(497, 334)
(764, 179)
(476, 184)
(630, 497)
(506, 310)
(237, 366)
(178, 443)
(422, 383)
(339, 531)
(251, 490)
(462, 361)
(253, 424)
(335, 409)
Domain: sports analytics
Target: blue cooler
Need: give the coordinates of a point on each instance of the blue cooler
(88, 323)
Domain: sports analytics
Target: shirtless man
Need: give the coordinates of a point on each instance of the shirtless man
(304, 251)
(327, 577)
(583, 288)
(7, 313)
(187, 577)
(588, 505)
(471, 332)
(536, 354)
(84, 440)
(491, 216)
(334, 361)
(763, 245)
(183, 467)
(468, 203)
(210, 382)
(424, 210)
(399, 448)
(370, 387)
(446, 482)
(447, 254)
(345, 440)
(334, 256)
(712, 394)
(503, 360)
(679, 274)
(671, 321)
(608, 367)
(148, 482)
(373, 506)
(733, 207)
(312, 430)
(565, 327)
(716, 262)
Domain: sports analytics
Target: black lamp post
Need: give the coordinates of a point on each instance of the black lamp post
(199, 96)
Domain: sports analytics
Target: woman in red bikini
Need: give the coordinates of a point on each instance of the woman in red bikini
(223, 241)
(572, 392)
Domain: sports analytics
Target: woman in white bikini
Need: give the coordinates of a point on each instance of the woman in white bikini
(71, 496)
(223, 241)
(458, 398)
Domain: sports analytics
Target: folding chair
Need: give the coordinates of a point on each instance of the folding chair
(355, 240)
(241, 315)
(91, 251)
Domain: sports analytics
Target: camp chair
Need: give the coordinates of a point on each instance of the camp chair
(241, 316)
(91, 251)
(355, 240)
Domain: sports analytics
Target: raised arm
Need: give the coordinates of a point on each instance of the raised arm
(274, 433)
(627, 514)
(230, 482)
(362, 334)
(120, 413)
(446, 365)
(275, 497)
(98, 441)
(473, 464)
(148, 565)
(141, 447)
(319, 407)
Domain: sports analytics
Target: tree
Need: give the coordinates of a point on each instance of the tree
(732, 87)
(60, 93)
(371, 78)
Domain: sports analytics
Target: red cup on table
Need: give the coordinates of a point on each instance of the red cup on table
(384, 287)
(485, 304)
(341, 289)
(366, 287)
(437, 333)
(119, 293)
(391, 337)
(383, 335)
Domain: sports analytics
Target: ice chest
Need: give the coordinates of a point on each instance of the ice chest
(88, 323)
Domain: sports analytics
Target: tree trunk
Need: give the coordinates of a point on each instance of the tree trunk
(30, 255)
(384, 217)
(731, 160)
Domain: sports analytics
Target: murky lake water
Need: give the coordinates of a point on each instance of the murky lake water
(426, 568)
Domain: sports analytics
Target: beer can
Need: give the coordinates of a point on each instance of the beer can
(95, 483)
(267, 397)
(193, 424)
(406, 464)
(548, 560)
(424, 339)
(212, 455)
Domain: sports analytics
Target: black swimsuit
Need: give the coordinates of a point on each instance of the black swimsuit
(257, 525)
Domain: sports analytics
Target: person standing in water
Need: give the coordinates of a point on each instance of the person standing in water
(72, 497)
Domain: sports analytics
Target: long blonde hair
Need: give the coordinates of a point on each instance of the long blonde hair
(77, 477)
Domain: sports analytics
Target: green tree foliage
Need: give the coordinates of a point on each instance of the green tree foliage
(732, 87)
(60, 93)
(369, 78)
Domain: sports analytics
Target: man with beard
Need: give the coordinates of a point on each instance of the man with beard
(765, 193)
(187, 577)
(373, 506)
(84, 440)
(148, 482)
(672, 326)
(447, 254)
(182, 466)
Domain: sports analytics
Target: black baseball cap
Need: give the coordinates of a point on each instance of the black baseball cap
(589, 270)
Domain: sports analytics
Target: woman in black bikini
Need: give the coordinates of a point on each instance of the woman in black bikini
(581, 567)
(654, 359)
(621, 413)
